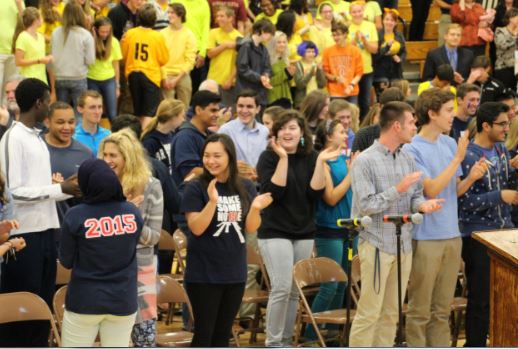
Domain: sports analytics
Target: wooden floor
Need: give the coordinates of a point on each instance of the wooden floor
(244, 338)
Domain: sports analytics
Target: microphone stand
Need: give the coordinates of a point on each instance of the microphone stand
(352, 232)
(399, 334)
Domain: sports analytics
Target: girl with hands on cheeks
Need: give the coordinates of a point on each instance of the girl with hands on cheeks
(220, 208)
(295, 176)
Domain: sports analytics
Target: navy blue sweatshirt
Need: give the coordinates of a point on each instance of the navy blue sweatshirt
(99, 243)
(158, 146)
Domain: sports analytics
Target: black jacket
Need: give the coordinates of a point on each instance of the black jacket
(438, 56)
(384, 66)
(122, 20)
(491, 90)
(252, 62)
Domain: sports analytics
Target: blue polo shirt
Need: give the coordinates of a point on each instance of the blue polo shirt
(249, 142)
(92, 141)
(432, 158)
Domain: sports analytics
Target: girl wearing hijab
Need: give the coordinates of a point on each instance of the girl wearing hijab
(125, 155)
(98, 242)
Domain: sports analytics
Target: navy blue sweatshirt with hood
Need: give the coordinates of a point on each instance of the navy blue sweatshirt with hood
(98, 242)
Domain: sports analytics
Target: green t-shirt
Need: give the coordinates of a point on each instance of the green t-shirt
(9, 14)
(33, 48)
(371, 10)
(368, 29)
(103, 69)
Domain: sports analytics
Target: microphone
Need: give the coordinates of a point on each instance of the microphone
(415, 218)
(352, 223)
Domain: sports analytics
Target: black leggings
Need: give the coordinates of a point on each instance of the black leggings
(214, 308)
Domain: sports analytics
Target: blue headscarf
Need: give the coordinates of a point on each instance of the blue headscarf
(99, 183)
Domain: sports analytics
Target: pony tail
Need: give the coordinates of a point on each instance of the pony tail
(150, 127)
(17, 31)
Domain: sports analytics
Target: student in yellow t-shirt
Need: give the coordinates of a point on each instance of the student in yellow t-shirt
(221, 49)
(144, 52)
(304, 18)
(182, 45)
(363, 34)
(320, 32)
(88, 11)
(286, 24)
(341, 10)
(51, 11)
(103, 76)
(29, 47)
(372, 13)
(270, 11)
(442, 80)
(103, 7)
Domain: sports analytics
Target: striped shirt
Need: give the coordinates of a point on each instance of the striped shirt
(489, 4)
(374, 175)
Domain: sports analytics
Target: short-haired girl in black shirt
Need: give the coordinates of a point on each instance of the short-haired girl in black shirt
(220, 207)
(294, 175)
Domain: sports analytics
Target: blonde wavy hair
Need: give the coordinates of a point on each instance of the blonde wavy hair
(137, 170)
(167, 109)
(272, 49)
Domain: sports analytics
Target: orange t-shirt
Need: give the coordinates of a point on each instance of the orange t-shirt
(345, 62)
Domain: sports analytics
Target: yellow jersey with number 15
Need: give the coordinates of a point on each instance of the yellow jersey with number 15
(144, 50)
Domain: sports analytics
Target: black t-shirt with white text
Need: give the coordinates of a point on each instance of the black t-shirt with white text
(219, 254)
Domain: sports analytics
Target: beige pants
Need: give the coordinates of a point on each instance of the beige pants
(80, 330)
(431, 289)
(182, 91)
(374, 324)
(444, 22)
(248, 309)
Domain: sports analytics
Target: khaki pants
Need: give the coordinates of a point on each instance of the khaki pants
(444, 22)
(374, 324)
(182, 91)
(431, 289)
(248, 309)
(80, 330)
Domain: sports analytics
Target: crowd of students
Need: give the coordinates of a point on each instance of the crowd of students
(312, 113)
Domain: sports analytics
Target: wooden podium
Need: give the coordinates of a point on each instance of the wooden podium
(502, 246)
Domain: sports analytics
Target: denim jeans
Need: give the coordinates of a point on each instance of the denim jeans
(364, 98)
(108, 89)
(68, 91)
(280, 255)
(331, 294)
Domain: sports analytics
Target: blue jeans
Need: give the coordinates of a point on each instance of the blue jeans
(68, 91)
(364, 98)
(108, 89)
(331, 294)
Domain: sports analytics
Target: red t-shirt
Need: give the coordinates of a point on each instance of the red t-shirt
(237, 5)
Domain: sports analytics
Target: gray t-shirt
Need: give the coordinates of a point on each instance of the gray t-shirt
(67, 161)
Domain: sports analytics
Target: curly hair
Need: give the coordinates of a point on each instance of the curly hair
(137, 170)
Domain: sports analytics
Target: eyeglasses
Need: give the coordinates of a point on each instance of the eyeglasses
(503, 124)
